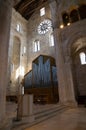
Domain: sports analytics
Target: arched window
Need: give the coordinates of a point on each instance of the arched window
(74, 16)
(82, 58)
(19, 27)
(65, 17)
(24, 49)
(42, 11)
(36, 45)
(82, 11)
(51, 41)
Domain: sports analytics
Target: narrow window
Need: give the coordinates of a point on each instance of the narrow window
(83, 58)
(42, 11)
(18, 28)
(36, 45)
(24, 49)
(51, 40)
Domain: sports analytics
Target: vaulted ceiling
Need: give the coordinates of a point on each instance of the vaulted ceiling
(27, 7)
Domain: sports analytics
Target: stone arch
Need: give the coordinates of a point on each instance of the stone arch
(75, 45)
(72, 40)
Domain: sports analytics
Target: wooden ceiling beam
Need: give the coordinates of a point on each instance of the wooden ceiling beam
(27, 7)
(25, 4)
(35, 9)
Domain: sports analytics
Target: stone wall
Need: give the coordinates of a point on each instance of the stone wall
(26, 36)
(17, 56)
(64, 39)
(67, 39)
(45, 48)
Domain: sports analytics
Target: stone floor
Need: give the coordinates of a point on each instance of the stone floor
(11, 108)
(72, 119)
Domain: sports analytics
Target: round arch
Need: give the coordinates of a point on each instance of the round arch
(72, 39)
(77, 44)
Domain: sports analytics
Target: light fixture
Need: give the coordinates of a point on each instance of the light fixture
(61, 26)
(68, 24)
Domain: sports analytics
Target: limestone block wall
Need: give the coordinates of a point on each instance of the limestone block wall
(64, 38)
(45, 48)
(68, 36)
(17, 52)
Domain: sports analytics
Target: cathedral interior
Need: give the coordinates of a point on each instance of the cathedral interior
(43, 63)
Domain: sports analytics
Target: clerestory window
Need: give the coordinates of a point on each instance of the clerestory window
(18, 27)
(82, 58)
(42, 11)
(51, 40)
(36, 46)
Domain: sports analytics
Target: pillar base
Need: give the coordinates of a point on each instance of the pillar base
(28, 119)
(6, 124)
(71, 104)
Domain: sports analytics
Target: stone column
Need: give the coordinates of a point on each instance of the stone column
(58, 51)
(64, 97)
(5, 20)
(70, 83)
(60, 68)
